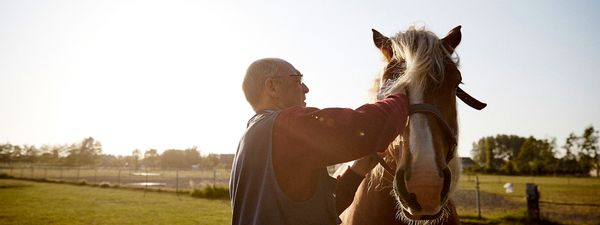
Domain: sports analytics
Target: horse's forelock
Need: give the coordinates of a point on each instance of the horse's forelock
(424, 57)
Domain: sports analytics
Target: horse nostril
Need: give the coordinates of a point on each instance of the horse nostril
(406, 198)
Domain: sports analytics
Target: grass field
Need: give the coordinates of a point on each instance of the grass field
(27, 202)
(563, 200)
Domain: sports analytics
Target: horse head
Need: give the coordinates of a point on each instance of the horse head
(427, 167)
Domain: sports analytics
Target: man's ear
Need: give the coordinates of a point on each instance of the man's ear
(270, 87)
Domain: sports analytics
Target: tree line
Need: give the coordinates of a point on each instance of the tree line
(515, 155)
(88, 153)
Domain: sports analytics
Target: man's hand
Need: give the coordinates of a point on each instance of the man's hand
(390, 88)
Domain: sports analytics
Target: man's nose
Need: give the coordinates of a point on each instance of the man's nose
(305, 88)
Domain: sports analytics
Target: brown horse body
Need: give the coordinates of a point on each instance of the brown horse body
(423, 163)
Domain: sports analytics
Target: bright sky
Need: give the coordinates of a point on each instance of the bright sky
(167, 74)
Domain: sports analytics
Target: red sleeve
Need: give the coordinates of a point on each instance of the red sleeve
(320, 137)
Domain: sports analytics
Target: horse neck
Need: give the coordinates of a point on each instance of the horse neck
(373, 204)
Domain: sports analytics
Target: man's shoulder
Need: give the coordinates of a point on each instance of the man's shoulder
(298, 110)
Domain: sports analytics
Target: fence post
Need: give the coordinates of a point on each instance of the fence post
(533, 204)
(61, 173)
(77, 179)
(215, 178)
(31, 174)
(146, 184)
(119, 179)
(95, 174)
(45, 173)
(477, 197)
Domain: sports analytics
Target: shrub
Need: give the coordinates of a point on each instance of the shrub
(104, 184)
(210, 192)
(82, 182)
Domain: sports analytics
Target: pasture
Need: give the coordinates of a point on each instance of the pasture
(563, 200)
(26, 202)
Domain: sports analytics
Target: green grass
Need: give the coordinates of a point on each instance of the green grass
(27, 202)
(579, 194)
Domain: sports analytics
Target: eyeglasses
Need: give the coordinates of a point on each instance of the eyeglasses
(300, 80)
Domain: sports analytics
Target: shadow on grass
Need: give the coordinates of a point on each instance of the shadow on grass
(6, 186)
(16, 186)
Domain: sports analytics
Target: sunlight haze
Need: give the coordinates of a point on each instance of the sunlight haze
(167, 74)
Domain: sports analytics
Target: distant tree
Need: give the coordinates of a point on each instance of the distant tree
(494, 153)
(570, 146)
(16, 154)
(84, 153)
(173, 158)
(211, 161)
(483, 154)
(151, 158)
(5, 152)
(31, 153)
(46, 156)
(136, 155)
(192, 156)
(568, 163)
(589, 155)
(110, 161)
(535, 157)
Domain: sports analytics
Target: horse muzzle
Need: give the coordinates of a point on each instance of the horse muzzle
(421, 193)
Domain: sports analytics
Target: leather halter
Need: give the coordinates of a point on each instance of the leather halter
(433, 110)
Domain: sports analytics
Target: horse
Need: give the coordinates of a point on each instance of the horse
(420, 169)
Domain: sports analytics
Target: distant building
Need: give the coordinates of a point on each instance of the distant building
(467, 162)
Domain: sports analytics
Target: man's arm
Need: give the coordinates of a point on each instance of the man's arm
(317, 138)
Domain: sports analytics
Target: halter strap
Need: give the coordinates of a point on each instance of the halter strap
(431, 109)
(469, 100)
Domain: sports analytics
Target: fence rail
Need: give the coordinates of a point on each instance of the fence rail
(145, 178)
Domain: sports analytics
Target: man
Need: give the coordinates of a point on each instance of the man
(279, 173)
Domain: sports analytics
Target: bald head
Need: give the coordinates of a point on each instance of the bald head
(258, 72)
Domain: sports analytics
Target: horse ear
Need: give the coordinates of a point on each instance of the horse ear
(452, 39)
(383, 43)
